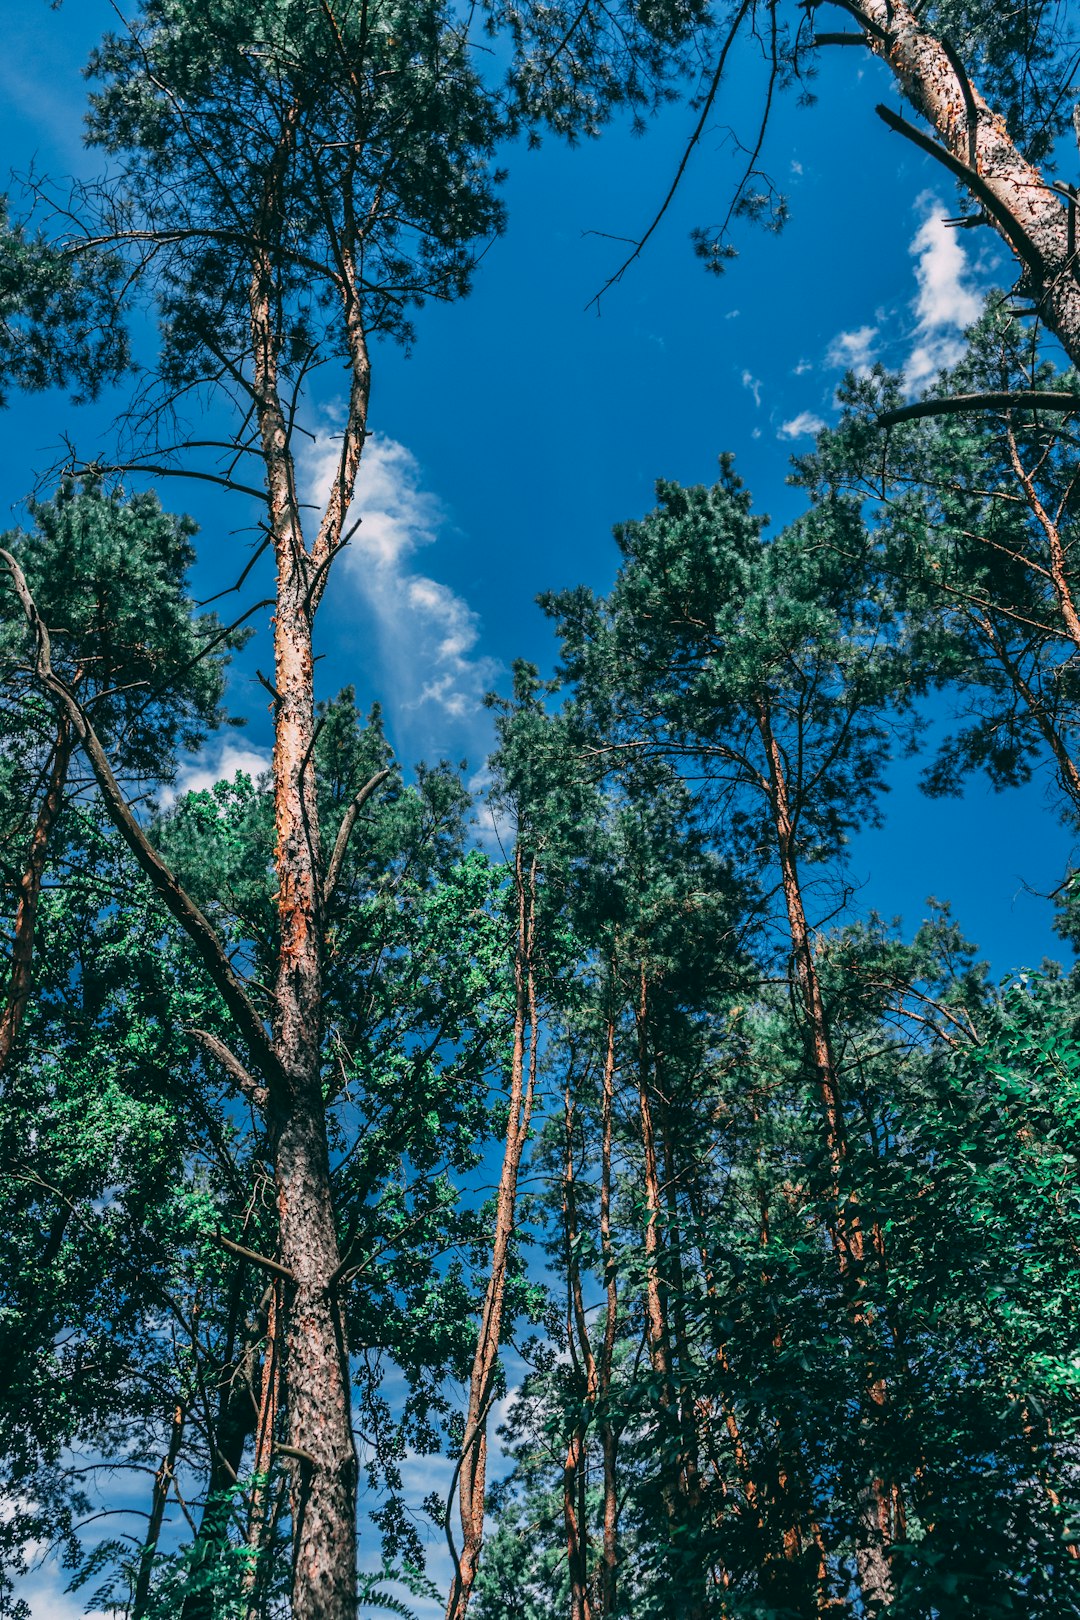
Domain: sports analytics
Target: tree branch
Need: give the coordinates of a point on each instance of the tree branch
(1014, 399)
(273, 1266)
(231, 1064)
(1010, 226)
(348, 822)
(178, 902)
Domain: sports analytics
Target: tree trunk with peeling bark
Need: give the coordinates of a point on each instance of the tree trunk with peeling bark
(321, 1443)
(1036, 223)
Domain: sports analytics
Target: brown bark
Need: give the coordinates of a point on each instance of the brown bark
(848, 1242)
(874, 1537)
(679, 1488)
(321, 1442)
(315, 1351)
(162, 1483)
(578, 1340)
(608, 1437)
(231, 1428)
(689, 1467)
(977, 148)
(22, 951)
(259, 1515)
(472, 1478)
(1069, 774)
(1059, 577)
(656, 1324)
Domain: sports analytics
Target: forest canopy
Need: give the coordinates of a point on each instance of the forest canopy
(549, 1184)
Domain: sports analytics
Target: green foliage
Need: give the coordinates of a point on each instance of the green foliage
(56, 315)
(108, 576)
(369, 114)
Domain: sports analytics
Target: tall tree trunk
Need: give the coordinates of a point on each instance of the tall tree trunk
(578, 1338)
(321, 1443)
(673, 1481)
(849, 1245)
(322, 1447)
(472, 1481)
(874, 1535)
(609, 1439)
(162, 1484)
(232, 1428)
(22, 951)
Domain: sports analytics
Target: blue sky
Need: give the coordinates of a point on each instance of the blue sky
(527, 421)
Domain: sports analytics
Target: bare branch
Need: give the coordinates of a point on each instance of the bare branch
(348, 822)
(273, 1266)
(1016, 399)
(231, 1064)
(696, 134)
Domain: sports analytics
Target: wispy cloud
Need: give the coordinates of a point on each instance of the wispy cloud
(427, 633)
(800, 426)
(754, 385)
(946, 301)
(852, 351)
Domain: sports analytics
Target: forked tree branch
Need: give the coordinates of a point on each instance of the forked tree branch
(178, 902)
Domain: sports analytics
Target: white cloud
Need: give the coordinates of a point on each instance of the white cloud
(945, 302)
(754, 385)
(218, 761)
(852, 351)
(427, 633)
(799, 426)
(802, 368)
(45, 1593)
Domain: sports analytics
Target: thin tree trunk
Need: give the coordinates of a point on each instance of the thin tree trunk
(608, 1436)
(655, 1303)
(472, 1482)
(1058, 562)
(577, 1333)
(260, 1511)
(658, 1328)
(874, 1536)
(849, 1243)
(162, 1483)
(689, 1462)
(22, 952)
(235, 1422)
